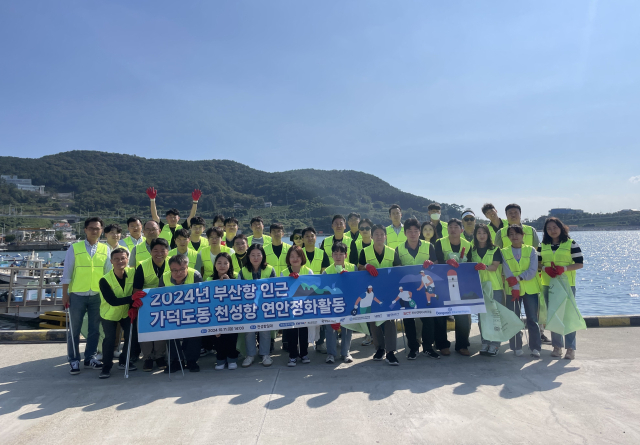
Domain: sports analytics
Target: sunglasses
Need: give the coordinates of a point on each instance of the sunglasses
(365, 229)
(297, 237)
(469, 219)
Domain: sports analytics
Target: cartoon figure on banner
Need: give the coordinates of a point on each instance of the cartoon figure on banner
(365, 302)
(428, 285)
(405, 299)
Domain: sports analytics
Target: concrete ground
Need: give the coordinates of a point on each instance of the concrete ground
(504, 399)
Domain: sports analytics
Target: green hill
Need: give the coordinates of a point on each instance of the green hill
(106, 182)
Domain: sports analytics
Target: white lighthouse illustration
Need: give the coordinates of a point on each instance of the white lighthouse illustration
(454, 289)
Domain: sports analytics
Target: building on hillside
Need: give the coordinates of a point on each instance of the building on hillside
(62, 226)
(23, 184)
(556, 212)
(267, 204)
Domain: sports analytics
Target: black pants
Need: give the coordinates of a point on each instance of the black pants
(434, 330)
(322, 336)
(109, 327)
(209, 341)
(189, 349)
(297, 336)
(410, 327)
(463, 329)
(226, 346)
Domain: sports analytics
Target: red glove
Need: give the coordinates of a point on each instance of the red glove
(133, 313)
(138, 295)
(372, 270)
(512, 281)
(462, 252)
(559, 269)
(136, 303)
(480, 266)
(343, 271)
(335, 326)
(427, 264)
(66, 305)
(515, 294)
(223, 243)
(294, 275)
(152, 193)
(196, 194)
(453, 263)
(551, 272)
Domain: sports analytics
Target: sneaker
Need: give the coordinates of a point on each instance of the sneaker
(99, 356)
(412, 355)
(463, 351)
(545, 339)
(148, 365)
(105, 374)
(347, 358)
(75, 367)
(174, 367)
(306, 360)
(493, 351)
(431, 353)
(535, 353)
(161, 363)
(367, 340)
(219, 367)
(391, 359)
(570, 355)
(379, 355)
(267, 360)
(232, 366)
(204, 352)
(330, 359)
(484, 349)
(247, 362)
(445, 351)
(193, 366)
(132, 367)
(518, 352)
(92, 363)
(557, 352)
(292, 362)
(321, 349)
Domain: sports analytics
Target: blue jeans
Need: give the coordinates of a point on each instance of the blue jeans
(530, 303)
(265, 343)
(332, 341)
(556, 339)
(78, 306)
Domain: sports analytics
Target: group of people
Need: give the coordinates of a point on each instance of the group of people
(105, 281)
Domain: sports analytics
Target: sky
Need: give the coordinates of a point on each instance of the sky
(534, 102)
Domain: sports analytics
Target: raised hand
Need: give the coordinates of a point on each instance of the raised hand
(152, 193)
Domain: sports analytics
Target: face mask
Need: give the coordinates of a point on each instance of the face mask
(435, 216)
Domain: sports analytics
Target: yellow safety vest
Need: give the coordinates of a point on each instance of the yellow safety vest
(150, 278)
(191, 254)
(526, 241)
(304, 270)
(316, 264)
(205, 258)
(236, 263)
(117, 313)
(561, 257)
(328, 244)
(266, 239)
(387, 260)
(531, 286)
(496, 276)
(505, 223)
(423, 253)
(359, 246)
(445, 232)
(166, 232)
(448, 252)
(279, 263)
(166, 278)
(394, 240)
(131, 243)
(87, 270)
(142, 253)
(264, 273)
(203, 243)
(332, 269)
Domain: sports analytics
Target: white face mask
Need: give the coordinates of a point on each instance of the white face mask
(435, 216)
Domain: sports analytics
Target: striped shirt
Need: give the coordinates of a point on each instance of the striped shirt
(576, 252)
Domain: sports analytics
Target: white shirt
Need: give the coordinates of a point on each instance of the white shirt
(404, 295)
(367, 300)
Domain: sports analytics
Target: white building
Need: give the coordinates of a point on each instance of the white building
(23, 184)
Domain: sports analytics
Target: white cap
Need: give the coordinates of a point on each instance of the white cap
(468, 212)
(370, 287)
(400, 287)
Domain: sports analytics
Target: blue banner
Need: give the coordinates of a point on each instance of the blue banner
(218, 307)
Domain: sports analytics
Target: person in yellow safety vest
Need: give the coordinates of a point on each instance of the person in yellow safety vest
(452, 249)
(469, 224)
(207, 255)
(257, 227)
(142, 251)
(296, 340)
(182, 247)
(84, 264)
(338, 253)
(428, 232)
(276, 250)
(514, 213)
(558, 254)
(257, 269)
(416, 251)
(353, 219)
(196, 240)
(113, 233)
(364, 240)
(147, 276)
(231, 230)
(495, 223)
(395, 233)
(317, 259)
(186, 349)
(489, 266)
(520, 268)
(372, 258)
(116, 289)
(435, 213)
(173, 216)
(239, 257)
(296, 238)
(134, 225)
(339, 225)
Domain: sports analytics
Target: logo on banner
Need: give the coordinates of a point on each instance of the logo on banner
(203, 331)
(283, 325)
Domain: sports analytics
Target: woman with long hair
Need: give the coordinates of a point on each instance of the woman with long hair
(225, 344)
